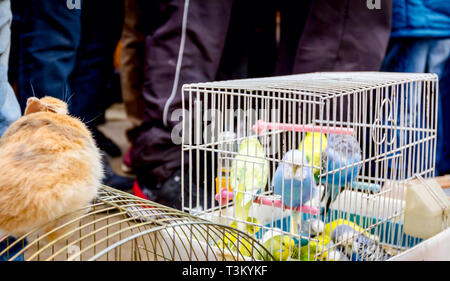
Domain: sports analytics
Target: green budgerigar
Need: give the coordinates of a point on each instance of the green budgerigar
(313, 145)
(248, 176)
(308, 252)
(281, 246)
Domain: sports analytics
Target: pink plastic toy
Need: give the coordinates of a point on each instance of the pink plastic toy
(261, 126)
(224, 196)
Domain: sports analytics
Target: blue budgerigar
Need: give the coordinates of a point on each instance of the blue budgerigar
(294, 182)
(357, 245)
(341, 157)
(365, 248)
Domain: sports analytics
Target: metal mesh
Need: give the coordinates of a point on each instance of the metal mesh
(122, 227)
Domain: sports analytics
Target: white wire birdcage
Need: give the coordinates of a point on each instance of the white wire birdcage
(320, 166)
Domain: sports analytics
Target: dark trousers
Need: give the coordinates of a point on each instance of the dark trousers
(67, 52)
(330, 35)
(443, 152)
(154, 154)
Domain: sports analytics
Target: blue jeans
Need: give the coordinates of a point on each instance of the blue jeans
(59, 58)
(49, 37)
(9, 108)
(427, 56)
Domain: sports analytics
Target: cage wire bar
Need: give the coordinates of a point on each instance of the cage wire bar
(357, 209)
(121, 227)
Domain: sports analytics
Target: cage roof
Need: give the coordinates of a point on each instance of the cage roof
(321, 84)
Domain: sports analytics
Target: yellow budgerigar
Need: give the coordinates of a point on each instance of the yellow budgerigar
(230, 242)
(331, 227)
(248, 176)
(313, 144)
(321, 250)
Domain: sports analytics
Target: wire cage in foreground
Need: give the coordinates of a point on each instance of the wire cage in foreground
(122, 227)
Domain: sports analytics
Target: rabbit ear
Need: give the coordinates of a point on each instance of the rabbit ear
(33, 105)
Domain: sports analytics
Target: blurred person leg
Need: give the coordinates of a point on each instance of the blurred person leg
(250, 47)
(443, 134)
(422, 55)
(132, 70)
(9, 107)
(13, 68)
(57, 60)
(343, 35)
(93, 74)
(94, 71)
(293, 16)
(154, 156)
(49, 40)
(131, 62)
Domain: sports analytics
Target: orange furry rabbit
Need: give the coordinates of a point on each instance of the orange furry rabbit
(50, 166)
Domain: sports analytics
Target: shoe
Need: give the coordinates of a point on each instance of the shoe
(105, 143)
(169, 192)
(144, 193)
(114, 180)
(126, 162)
